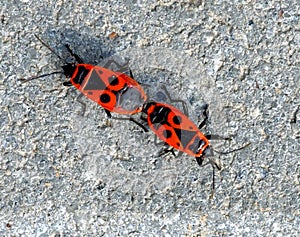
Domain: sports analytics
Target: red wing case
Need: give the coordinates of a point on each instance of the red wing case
(114, 91)
(176, 129)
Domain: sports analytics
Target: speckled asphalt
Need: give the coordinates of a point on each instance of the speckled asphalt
(64, 174)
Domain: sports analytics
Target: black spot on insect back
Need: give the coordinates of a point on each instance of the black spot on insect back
(177, 120)
(167, 134)
(105, 98)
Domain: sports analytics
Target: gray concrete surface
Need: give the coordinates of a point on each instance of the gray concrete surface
(62, 174)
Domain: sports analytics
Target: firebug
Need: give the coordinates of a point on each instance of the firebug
(175, 129)
(115, 91)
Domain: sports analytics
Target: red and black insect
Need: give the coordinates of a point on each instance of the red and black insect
(114, 91)
(175, 129)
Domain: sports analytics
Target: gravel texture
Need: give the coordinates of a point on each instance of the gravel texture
(64, 174)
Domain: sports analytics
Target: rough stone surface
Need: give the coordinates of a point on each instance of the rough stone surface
(64, 174)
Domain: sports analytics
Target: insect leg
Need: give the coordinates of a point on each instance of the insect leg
(184, 106)
(214, 165)
(121, 68)
(132, 120)
(158, 143)
(210, 161)
(294, 115)
(79, 97)
(216, 137)
(167, 150)
(67, 83)
(213, 184)
(205, 115)
(129, 72)
(107, 113)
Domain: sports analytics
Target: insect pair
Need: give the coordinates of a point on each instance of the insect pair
(118, 92)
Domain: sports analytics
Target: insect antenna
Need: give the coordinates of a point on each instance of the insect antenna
(36, 77)
(228, 152)
(47, 46)
(47, 74)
